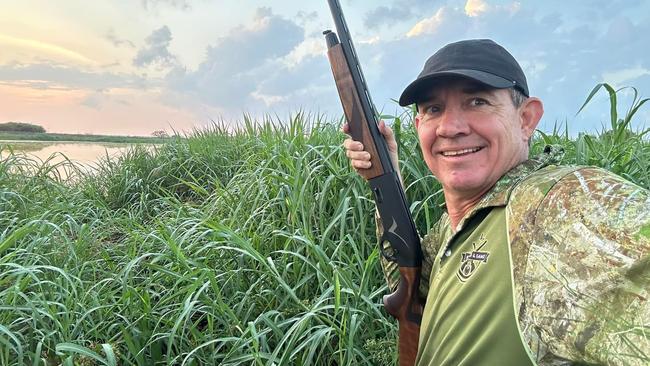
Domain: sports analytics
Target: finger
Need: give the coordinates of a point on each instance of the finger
(345, 128)
(352, 145)
(360, 164)
(358, 155)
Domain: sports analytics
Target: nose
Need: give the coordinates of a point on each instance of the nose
(452, 123)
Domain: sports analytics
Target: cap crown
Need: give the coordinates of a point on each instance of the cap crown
(482, 60)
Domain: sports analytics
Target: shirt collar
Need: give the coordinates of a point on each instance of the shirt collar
(499, 194)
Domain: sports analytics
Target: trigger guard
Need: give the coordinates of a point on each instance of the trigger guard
(382, 249)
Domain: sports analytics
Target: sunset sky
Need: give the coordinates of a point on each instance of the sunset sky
(130, 67)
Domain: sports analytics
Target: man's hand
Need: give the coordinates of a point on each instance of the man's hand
(360, 159)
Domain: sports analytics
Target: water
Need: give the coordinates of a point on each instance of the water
(84, 154)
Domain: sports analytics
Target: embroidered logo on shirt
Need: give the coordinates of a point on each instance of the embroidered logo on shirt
(470, 261)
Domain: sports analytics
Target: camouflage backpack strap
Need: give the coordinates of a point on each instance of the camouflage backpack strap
(521, 211)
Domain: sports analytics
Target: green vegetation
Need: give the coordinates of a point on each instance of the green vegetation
(21, 127)
(255, 247)
(61, 137)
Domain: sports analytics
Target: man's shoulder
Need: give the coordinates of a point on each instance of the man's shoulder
(569, 185)
(526, 195)
(597, 201)
(574, 202)
(558, 199)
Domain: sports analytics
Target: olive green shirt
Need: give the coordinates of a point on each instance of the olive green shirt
(551, 267)
(470, 316)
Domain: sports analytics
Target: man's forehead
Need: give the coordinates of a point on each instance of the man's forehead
(466, 86)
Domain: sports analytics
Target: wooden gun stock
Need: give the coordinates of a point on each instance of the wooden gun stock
(404, 304)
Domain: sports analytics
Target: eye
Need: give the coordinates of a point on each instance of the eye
(431, 109)
(478, 101)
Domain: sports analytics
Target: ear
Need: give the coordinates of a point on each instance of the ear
(530, 112)
(417, 121)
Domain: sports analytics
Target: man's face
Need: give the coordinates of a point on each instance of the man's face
(471, 135)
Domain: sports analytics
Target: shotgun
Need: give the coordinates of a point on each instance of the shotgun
(399, 230)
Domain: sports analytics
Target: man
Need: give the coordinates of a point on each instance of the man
(531, 263)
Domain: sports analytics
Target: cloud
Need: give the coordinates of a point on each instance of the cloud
(292, 80)
(94, 100)
(398, 11)
(51, 76)
(428, 25)
(621, 77)
(180, 4)
(116, 41)
(308, 48)
(379, 16)
(306, 17)
(474, 8)
(238, 63)
(46, 48)
(563, 58)
(156, 50)
(268, 64)
(101, 98)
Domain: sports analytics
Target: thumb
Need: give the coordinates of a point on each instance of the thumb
(385, 130)
(389, 136)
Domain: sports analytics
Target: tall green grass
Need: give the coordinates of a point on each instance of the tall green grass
(251, 247)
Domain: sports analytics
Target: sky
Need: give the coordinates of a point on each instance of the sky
(131, 67)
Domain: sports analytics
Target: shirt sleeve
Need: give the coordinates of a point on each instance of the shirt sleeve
(588, 271)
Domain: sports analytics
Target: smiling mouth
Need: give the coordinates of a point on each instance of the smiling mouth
(461, 152)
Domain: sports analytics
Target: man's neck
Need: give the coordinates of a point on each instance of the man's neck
(458, 205)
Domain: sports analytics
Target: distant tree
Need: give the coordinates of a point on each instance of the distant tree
(160, 134)
(21, 127)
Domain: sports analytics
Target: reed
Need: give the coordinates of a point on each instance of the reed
(253, 246)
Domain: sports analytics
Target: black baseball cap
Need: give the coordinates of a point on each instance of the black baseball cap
(482, 60)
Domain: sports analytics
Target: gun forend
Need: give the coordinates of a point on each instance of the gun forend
(351, 101)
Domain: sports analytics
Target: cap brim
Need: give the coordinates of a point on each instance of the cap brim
(415, 91)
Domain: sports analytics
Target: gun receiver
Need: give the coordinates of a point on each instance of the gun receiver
(399, 230)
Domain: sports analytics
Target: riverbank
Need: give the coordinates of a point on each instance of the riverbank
(65, 137)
